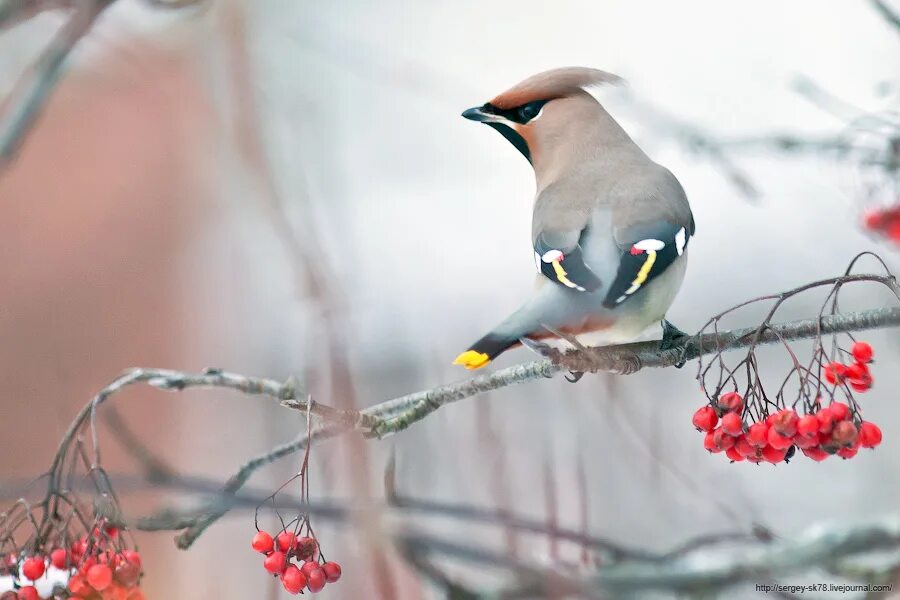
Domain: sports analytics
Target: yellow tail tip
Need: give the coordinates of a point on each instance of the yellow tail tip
(472, 359)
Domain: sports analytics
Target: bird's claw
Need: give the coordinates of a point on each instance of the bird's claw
(575, 376)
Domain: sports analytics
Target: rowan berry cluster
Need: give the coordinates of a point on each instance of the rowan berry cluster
(817, 431)
(296, 560)
(97, 567)
(884, 221)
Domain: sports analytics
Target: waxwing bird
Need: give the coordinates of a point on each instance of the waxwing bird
(610, 227)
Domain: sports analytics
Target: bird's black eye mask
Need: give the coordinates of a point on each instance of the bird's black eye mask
(520, 114)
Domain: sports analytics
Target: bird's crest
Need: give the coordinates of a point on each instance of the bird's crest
(555, 83)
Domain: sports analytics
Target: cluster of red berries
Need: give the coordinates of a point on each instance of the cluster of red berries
(95, 574)
(106, 575)
(884, 221)
(855, 374)
(820, 433)
(285, 547)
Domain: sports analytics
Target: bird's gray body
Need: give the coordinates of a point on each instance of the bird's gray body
(642, 187)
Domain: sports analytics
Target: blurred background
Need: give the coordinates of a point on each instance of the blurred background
(286, 188)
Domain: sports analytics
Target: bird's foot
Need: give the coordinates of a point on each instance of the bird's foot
(575, 376)
(539, 348)
(672, 336)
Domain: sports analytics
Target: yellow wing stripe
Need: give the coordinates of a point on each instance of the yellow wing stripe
(472, 359)
(641, 276)
(561, 274)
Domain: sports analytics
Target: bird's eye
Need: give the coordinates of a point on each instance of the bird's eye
(528, 112)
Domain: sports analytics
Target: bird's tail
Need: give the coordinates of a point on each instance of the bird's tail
(485, 350)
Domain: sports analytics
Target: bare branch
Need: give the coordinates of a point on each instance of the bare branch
(887, 13)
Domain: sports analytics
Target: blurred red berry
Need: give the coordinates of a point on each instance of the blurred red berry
(308, 548)
(293, 579)
(59, 558)
(132, 556)
(731, 402)
(732, 424)
(315, 579)
(839, 410)
(99, 577)
(758, 435)
(722, 440)
(705, 419)
(805, 441)
(275, 563)
(808, 426)
(285, 540)
(332, 571)
(33, 568)
(844, 433)
(127, 573)
(79, 587)
(743, 447)
(873, 219)
(848, 452)
(734, 455)
(785, 422)
(774, 455)
(778, 441)
(826, 420)
(869, 434)
(893, 231)
(263, 542)
(710, 444)
(817, 454)
(834, 372)
(29, 592)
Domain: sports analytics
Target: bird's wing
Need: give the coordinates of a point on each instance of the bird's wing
(559, 257)
(648, 248)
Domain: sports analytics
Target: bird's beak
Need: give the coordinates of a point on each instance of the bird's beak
(477, 114)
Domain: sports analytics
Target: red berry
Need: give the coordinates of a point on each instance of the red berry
(29, 592)
(132, 556)
(826, 420)
(785, 422)
(848, 452)
(731, 402)
(862, 352)
(722, 440)
(332, 571)
(873, 219)
(59, 558)
(743, 447)
(844, 433)
(758, 435)
(732, 424)
(817, 454)
(79, 587)
(275, 563)
(315, 579)
(263, 542)
(78, 549)
(308, 547)
(778, 441)
(293, 579)
(99, 577)
(33, 567)
(710, 444)
(839, 410)
(858, 372)
(732, 453)
(112, 531)
(774, 455)
(834, 372)
(808, 426)
(705, 419)
(127, 573)
(285, 540)
(869, 434)
(804, 441)
(893, 231)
